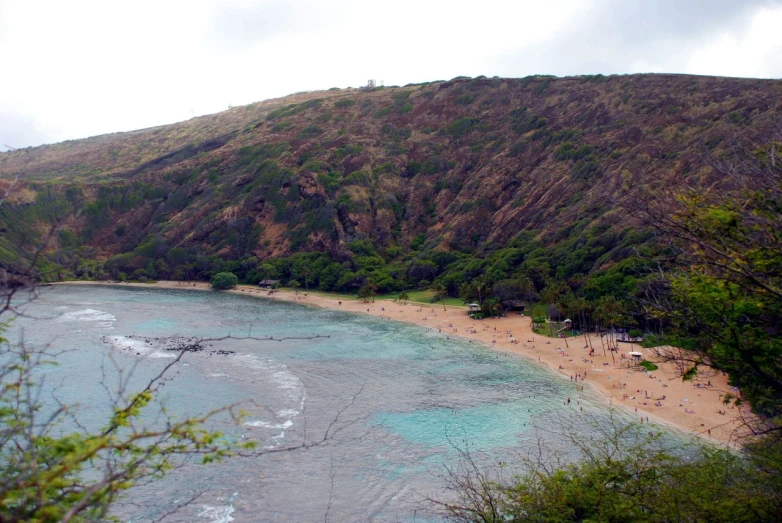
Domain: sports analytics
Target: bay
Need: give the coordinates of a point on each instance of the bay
(386, 405)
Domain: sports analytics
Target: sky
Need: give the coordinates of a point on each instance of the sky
(73, 69)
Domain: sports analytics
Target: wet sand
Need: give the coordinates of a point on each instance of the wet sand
(660, 396)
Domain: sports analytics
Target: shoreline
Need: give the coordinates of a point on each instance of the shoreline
(693, 407)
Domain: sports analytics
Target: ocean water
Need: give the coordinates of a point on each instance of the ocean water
(387, 405)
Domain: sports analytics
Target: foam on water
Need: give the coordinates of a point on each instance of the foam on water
(278, 375)
(104, 319)
(219, 514)
(139, 347)
(260, 423)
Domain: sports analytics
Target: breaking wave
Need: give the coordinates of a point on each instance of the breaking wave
(104, 319)
(136, 346)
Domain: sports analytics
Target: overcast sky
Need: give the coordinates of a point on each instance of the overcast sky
(73, 68)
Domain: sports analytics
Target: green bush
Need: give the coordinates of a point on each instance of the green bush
(461, 126)
(310, 131)
(465, 99)
(385, 111)
(224, 280)
(648, 365)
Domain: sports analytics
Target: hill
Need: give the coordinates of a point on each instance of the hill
(500, 176)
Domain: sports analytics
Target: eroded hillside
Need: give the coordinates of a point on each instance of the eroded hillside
(463, 166)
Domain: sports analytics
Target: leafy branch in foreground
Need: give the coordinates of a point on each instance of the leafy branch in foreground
(49, 475)
(624, 473)
(723, 296)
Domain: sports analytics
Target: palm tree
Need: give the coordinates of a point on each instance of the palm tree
(527, 289)
(403, 297)
(440, 292)
(480, 286)
(610, 310)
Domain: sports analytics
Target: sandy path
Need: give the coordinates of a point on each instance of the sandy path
(695, 406)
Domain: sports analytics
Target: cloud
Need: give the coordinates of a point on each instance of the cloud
(89, 66)
(637, 23)
(243, 24)
(21, 130)
(626, 36)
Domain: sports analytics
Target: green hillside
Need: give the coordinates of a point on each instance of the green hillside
(527, 178)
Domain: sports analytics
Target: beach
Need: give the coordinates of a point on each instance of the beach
(660, 396)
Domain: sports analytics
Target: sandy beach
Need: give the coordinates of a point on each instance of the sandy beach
(660, 396)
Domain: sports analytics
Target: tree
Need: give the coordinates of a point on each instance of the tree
(440, 292)
(76, 476)
(367, 290)
(224, 281)
(507, 290)
(491, 306)
(268, 270)
(48, 475)
(481, 284)
(306, 272)
(403, 297)
(722, 295)
(625, 473)
(422, 270)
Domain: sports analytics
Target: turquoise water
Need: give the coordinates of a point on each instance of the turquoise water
(390, 403)
(486, 426)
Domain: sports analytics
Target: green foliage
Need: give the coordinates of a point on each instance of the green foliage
(343, 103)
(523, 120)
(367, 290)
(567, 151)
(395, 134)
(385, 111)
(465, 99)
(281, 126)
(518, 148)
(648, 365)
(224, 281)
(48, 474)
(310, 131)
(541, 87)
(400, 97)
(461, 126)
(728, 296)
(418, 242)
(255, 154)
(625, 474)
